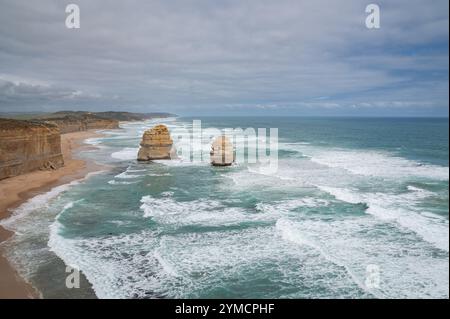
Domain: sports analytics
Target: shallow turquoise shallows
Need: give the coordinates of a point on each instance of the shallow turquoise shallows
(357, 209)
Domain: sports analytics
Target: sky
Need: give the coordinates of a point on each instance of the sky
(227, 57)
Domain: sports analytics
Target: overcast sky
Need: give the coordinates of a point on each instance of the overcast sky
(227, 57)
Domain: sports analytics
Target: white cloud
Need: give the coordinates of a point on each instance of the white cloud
(196, 55)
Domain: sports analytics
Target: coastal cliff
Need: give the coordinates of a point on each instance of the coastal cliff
(26, 146)
(76, 121)
(69, 124)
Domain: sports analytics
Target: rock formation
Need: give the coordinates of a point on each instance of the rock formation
(28, 145)
(156, 144)
(222, 152)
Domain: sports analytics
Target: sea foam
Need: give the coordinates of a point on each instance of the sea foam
(379, 165)
(126, 154)
(407, 270)
(400, 209)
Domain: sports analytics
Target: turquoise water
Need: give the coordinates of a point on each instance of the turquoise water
(349, 195)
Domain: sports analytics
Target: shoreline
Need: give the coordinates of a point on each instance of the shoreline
(18, 189)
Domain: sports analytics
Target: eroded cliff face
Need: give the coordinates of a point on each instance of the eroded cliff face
(101, 124)
(70, 124)
(26, 146)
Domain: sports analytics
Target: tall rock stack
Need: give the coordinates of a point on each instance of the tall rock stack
(222, 152)
(156, 144)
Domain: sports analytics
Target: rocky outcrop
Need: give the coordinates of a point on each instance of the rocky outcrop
(156, 144)
(26, 146)
(222, 152)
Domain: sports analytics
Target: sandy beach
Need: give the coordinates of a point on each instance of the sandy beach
(16, 190)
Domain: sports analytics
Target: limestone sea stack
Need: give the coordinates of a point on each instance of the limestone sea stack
(222, 152)
(156, 144)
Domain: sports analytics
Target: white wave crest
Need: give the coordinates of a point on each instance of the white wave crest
(407, 270)
(400, 209)
(378, 164)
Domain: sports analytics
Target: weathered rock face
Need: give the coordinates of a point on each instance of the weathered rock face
(222, 152)
(156, 144)
(26, 146)
(69, 125)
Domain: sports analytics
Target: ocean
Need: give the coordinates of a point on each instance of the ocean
(358, 208)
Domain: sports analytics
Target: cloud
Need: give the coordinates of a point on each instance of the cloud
(22, 93)
(199, 56)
